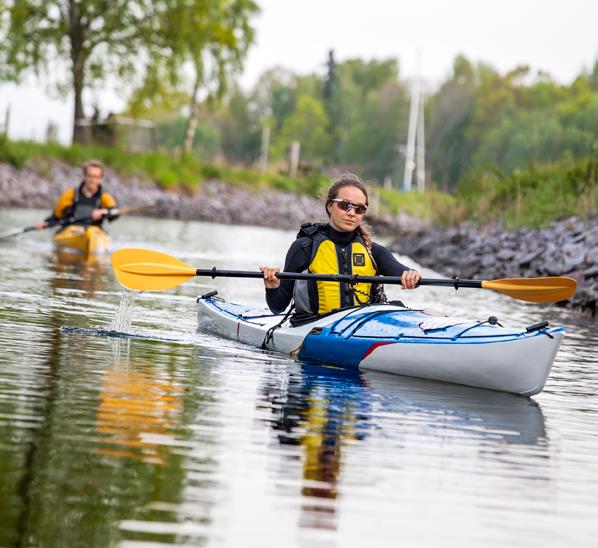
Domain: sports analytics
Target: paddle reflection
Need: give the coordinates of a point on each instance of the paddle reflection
(138, 406)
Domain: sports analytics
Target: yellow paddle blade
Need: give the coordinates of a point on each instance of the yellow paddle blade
(146, 270)
(535, 290)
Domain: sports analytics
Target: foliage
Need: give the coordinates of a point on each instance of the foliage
(533, 196)
(209, 38)
(433, 206)
(122, 38)
(355, 115)
(480, 118)
(93, 37)
(12, 154)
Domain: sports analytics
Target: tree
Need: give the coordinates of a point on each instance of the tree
(210, 39)
(95, 38)
(308, 124)
(240, 129)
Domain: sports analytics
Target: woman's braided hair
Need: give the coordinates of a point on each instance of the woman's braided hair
(350, 179)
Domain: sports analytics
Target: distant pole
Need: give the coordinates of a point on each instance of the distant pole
(410, 152)
(294, 163)
(154, 138)
(421, 147)
(6, 121)
(375, 201)
(263, 165)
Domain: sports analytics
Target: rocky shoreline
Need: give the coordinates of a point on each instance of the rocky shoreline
(215, 201)
(568, 247)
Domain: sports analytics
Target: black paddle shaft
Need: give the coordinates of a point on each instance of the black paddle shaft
(51, 224)
(342, 278)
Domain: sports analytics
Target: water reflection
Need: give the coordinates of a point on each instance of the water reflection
(72, 272)
(321, 409)
(326, 412)
(42, 410)
(138, 406)
(484, 415)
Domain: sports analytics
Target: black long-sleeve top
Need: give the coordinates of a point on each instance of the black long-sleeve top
(298, 259)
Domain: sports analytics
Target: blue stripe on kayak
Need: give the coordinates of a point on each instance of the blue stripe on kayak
(329, 347)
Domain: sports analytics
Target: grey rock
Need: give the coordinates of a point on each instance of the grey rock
(529, 257)
(506, 254)
(488, 261)
(489, 252)
(591, 272)
(592, 256)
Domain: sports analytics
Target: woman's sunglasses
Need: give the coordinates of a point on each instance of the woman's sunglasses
(346, 205)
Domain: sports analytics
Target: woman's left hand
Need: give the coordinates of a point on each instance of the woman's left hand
(409, 279)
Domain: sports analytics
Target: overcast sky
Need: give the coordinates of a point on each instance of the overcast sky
(558, 37)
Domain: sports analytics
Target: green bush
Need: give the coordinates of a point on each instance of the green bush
(533, 196)
(211, 172)
(13, 153)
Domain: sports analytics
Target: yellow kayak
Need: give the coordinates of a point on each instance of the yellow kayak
(89, 241)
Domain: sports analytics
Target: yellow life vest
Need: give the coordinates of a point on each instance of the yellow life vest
(329, 258)
(70, 204)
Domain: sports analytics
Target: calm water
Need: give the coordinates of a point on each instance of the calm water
(178, 437)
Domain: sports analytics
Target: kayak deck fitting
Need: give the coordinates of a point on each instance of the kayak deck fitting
(398, 340)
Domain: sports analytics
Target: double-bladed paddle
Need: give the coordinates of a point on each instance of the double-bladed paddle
(72, 221)
(145, 270)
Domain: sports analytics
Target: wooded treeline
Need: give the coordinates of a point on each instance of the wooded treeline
(176, 60)
(354, 114)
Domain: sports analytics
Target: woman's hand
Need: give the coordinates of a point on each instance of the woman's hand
(409, 279)
(270, 279)
(41, 226)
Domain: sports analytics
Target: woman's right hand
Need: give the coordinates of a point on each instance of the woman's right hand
(270, 279)
(41, 226)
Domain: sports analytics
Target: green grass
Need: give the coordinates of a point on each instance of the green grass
(436, 207)
(166, 170)
(534, 196)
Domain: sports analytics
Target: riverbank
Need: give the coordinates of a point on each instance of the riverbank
(214, 201)
(565, 248)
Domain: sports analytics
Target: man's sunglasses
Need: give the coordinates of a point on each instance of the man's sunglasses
(346, 205)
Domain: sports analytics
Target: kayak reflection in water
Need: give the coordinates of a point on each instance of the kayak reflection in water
(320, 410)
(340, 418)
(341, 246)
(88, 204)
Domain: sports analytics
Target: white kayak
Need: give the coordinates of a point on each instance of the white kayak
(399, 340)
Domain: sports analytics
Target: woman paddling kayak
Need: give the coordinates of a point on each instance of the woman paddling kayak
(341, 246)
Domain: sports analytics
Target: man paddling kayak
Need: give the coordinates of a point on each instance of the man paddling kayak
(88, 204)
(342, 246)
